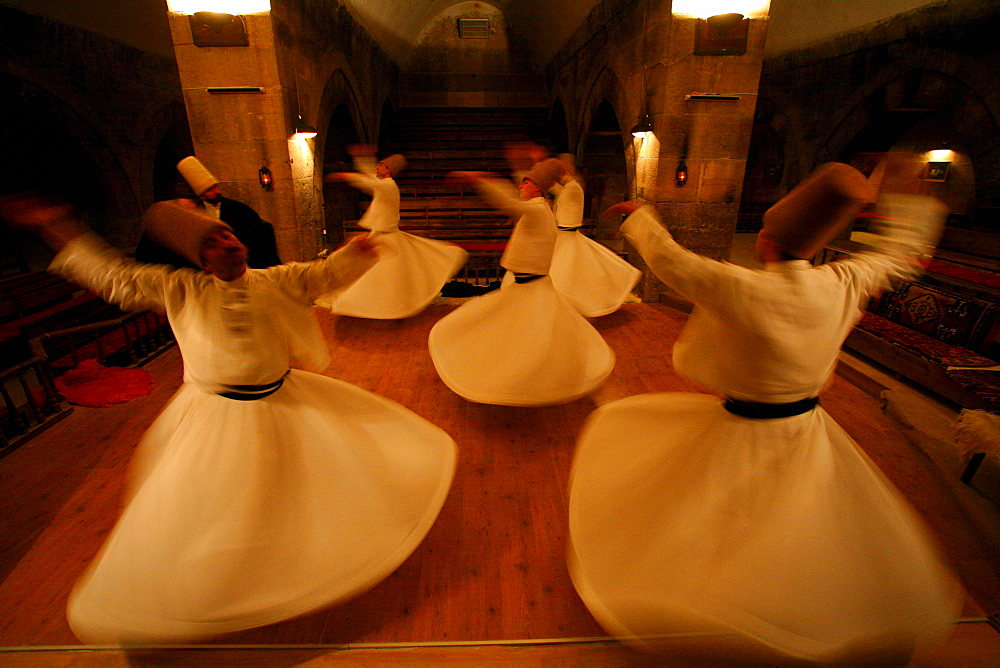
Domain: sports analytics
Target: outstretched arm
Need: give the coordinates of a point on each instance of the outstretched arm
(53, 221)
(83, 257)
(499, 193)
(697, 278)
(908, 229)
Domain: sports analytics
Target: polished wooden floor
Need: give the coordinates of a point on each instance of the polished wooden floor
(491, 573)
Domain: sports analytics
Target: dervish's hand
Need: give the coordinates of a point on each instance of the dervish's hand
(366, 244)
(335, 177)
(32, 212)
(625, 208)
(51, 219)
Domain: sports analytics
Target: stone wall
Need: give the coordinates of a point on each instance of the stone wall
(640, 58)
(86, 116)
(918, 81)
(305, 59)
(333, 63)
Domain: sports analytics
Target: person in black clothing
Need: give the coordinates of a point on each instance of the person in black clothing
(256, 234)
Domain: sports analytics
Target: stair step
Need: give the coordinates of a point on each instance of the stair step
(437, 141)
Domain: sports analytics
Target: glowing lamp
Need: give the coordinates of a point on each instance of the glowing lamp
(304, 131)
(265, 178)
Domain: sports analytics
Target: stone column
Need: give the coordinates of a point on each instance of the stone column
(241, 115)
(709, 136)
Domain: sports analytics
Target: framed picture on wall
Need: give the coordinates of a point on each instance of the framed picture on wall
(937, 171)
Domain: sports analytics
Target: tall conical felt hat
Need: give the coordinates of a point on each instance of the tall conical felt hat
(817, 210)
(180, 228)
(199, 178)
(395, 162)
(545, 173)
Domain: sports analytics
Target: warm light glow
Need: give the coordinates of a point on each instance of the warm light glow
(304, 135)
(302, 161)
(222, 6)
(941, 155)
(647, 160)
(702, 9)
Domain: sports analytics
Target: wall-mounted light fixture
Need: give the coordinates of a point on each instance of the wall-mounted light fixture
(303, 130)
(234, 90)
(714, 97)
(938, 163)
(265, 178)
(722, 35)
(642, 127)
(941, 154)
(218, 29)
(681, 175)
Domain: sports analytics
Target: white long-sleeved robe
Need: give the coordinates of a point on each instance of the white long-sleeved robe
(244, 513)
(411, 270)
(524, 344)
(588, 274)
(755, 539)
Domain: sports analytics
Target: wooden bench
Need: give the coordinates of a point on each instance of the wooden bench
(940, 332)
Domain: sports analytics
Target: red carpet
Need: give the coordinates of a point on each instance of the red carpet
(969, 274)
(90, 384)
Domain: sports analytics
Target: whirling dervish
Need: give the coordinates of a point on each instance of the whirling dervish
(264, 490)
(412, 269)
(754, 529)
(524, 344)
(592, 277)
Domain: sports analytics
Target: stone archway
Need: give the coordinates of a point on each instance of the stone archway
(342, 126)
(768, 171)
(558, 130)
(387, 140)
(340, 201)
(602, 167)
(917, 112)
(167, 141)
(48, 146)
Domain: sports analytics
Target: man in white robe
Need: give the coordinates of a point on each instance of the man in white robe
(411, 270)
(594, 279)
(263, 490)
(754, 528)
(522, 345)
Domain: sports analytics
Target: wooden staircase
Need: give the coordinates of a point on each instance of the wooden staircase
(438, 141)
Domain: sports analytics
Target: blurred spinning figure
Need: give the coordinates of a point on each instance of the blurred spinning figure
(524, 344)
(411, 270)
(263, 490)
(754, 528)
(588, 274)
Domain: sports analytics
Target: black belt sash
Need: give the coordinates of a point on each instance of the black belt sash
(759, 411)
(567, 229)
(526, 278)
(251, 392)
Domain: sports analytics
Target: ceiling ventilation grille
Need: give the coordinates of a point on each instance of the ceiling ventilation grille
(473, 28)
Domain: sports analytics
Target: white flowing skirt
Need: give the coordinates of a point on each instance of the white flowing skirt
(773, 540)
(521, 345)
(589, 275)
(245, 513)
(407, 277)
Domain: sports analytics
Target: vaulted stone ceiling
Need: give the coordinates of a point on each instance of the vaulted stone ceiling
(543, 25)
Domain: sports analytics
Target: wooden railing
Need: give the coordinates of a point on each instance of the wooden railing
(31, 403)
